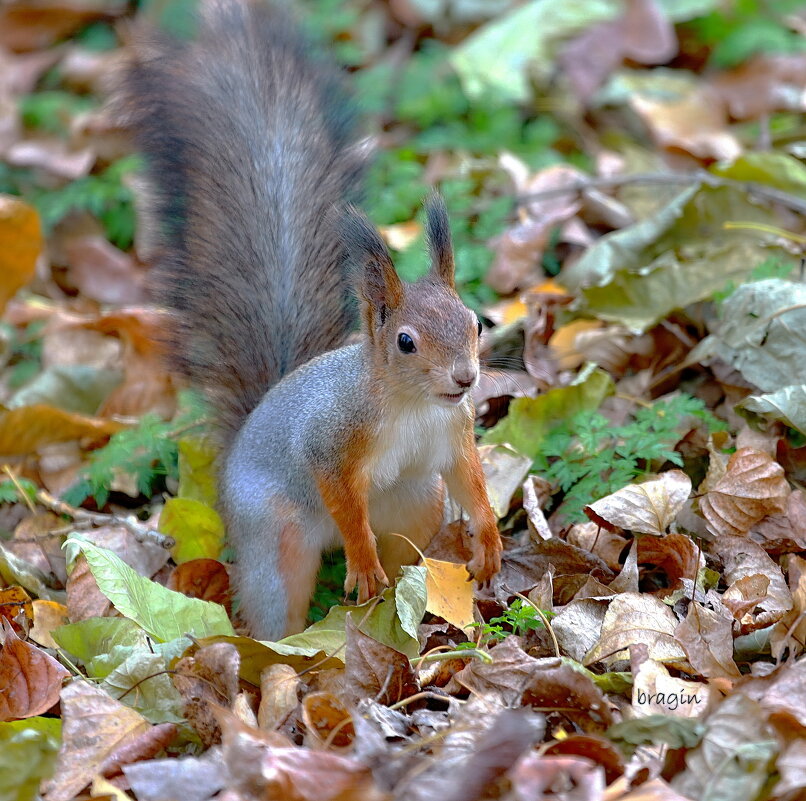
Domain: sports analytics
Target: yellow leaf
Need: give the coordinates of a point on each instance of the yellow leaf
(20, 245)
(450, 592)
(196, 527)
(48, 615)
(563, 342)
(28, 428)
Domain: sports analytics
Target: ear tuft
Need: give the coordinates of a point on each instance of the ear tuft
(378, 283)
(438, 236)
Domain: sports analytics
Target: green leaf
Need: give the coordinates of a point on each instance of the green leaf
(101, 643)
(76, 387)
(501, 57)
(639, 274)
(164, 614)
(676, 732)
(529, 419)
(197, 529)
(28, 750)
(142, 682)
(411, 598)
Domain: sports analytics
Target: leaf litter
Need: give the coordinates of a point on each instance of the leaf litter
(626, 191)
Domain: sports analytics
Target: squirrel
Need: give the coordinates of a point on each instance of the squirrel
(252, 166)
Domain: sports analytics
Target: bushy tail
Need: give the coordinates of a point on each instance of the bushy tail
(249, 143)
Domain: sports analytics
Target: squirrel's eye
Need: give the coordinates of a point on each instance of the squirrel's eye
(480, 327)
(405, 343)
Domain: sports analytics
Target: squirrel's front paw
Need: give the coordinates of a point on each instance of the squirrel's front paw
(367, 579)
(486, 553)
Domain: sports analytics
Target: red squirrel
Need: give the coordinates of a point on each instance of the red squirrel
(252, 164)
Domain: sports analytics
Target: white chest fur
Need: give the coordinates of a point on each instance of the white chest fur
(417, 441)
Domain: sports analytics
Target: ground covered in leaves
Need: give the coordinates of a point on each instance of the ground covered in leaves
(627, 191)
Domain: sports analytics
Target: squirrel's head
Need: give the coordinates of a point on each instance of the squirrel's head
(420, 334)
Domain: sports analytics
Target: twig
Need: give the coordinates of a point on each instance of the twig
(142, 533)
(670, 179)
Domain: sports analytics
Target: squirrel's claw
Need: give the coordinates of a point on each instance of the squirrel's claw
(366, 580)
(486, 559)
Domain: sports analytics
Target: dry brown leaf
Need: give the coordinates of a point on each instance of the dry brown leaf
(548, 684)
(595, 748)
(707, 638)
(327, 721)
(742, 558)
(374, 670)
(647, 508)
(745, 594)
(95, 725)
(34, 542)
(782, 695)
(20, 246)
(48, 615)
(790, 631)
(578, 625)
(785, 532)
(31, 679)
(635, 618)
(753, 487)
(607, 545)
(695, 122)
(262, 765)
(450, 592)
(538, 525)
(207, 579)
(653, 790)
(24, 430)
(280, 688)
(102, 272)
(656, 692)
(15, 605)
(536, 777)
(676, 554)
(791, 765)
(206, 681)
(52, 155)
(504, 470)
(764, 84)
(84, 599)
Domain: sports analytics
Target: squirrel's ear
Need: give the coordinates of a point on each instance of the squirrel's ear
(378, 282)
(438, 236)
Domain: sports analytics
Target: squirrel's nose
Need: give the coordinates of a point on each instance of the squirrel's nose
(464, 375)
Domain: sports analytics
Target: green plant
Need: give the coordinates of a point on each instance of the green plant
(10, 491)
(744, 28)
(769, 268)
(149, 451)
(587, 457)
(21, 351)
(106, 195)
(53, 111)
(519, 618)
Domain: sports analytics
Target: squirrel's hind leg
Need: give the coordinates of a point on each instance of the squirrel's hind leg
(412, 509)
(278, 548)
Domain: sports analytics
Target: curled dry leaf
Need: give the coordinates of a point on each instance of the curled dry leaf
(676, 554)
(635, 618)
(375, 670)
(577, 626)
(707, 638)
(608, 545)
(753, 487)
(504, 470)
(655, 692)
(327, 720)
(646, 508)
(742, 558)
(208, 680)
(207, 579)
(30, 679)
(790, 631)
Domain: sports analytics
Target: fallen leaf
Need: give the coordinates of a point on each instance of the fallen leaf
(504, 470)
(280, 688)
(647, 508)
(15, 605)
(20, 246)
(706, 636)
(206, 579)
(450, 592)
(30, 678)
(48, 615)
(375, 670)
(535, 777)
(327, 721)
(637, 618)
(753, 487)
